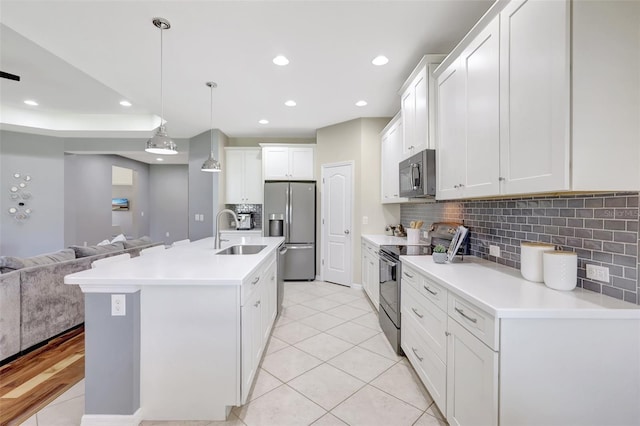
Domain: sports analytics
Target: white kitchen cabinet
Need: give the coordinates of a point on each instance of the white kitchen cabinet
(472, 379)
(555, 109)
(417, 104)
(287, 162)
(535, 96)
(257, 316)
(391, 155)
(468, 120)
(243, 178)
(370, 272)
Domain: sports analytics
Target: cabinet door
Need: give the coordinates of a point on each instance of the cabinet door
(472, 379)
(391, 154)
(451, 151)
(481, 66)
(374, 280)
(276, 163)
(408, 107)
(253, 191)
(269, 289)
(364, 255)
(421, 120)
(234, 177)
(301, 163)
(251, 339)
(534, 96)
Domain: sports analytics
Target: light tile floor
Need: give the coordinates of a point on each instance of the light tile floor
(327, 363)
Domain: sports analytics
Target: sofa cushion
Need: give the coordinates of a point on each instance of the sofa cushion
(142, 241)
(11, 263)
(119, 237)
(82, 251)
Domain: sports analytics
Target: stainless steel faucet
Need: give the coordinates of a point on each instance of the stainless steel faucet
(218, 241)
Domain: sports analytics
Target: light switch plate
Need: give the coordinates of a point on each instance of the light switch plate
(598, 273)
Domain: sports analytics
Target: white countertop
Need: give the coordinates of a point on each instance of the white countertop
(195, 263)
(384, 240)
(502, 292)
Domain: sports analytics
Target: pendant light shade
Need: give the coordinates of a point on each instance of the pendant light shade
(161, 143)
(211, 164)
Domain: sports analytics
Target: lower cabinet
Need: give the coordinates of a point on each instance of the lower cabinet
(258, 312)
(441, 335)
(370, 272)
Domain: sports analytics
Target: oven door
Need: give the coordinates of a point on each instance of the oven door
(390, 287)
(411, 177)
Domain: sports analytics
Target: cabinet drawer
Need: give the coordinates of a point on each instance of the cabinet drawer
(432, 321)
(478, 322)
(410, 277)
(431, 370)
(252, 282)
(425, 286)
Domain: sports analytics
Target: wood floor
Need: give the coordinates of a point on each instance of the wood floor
(34, 380)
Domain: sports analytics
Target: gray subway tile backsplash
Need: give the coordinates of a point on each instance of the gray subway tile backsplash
(601, 228)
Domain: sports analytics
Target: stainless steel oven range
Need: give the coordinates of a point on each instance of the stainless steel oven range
(391, 271)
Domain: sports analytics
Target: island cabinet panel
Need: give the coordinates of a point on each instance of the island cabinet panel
(595, 363)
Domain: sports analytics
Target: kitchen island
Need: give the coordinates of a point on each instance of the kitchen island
(176, 334)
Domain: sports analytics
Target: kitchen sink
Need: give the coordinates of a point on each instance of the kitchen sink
(242, 249)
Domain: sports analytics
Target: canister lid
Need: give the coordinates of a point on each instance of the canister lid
(535, 244)
(560, 253)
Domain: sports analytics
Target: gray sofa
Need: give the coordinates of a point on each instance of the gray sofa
(36, 305)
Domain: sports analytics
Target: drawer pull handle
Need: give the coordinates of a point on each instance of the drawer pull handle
(429, 290)
(256, 304)
(254, 282)
(416, 312)
(415, 352)
(461, 312)
(407, 275)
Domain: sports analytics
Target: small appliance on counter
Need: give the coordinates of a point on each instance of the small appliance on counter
(391, 271)
(245, 221)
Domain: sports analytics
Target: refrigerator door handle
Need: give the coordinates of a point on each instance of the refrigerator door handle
(287, 213)
(298, 247)
(289, 204)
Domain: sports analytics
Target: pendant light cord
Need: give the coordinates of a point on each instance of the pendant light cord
(211, 131)
(161, 81)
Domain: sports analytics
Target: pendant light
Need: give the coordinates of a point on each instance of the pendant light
(211, 164)
(161, 143)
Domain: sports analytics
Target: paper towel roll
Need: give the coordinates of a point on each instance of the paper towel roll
(560, 270)
(531, 266)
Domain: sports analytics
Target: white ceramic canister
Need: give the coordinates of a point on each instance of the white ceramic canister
(560, 270)
(413, 236)
(531, 266)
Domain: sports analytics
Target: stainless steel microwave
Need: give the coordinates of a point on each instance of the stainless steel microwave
(418, 175)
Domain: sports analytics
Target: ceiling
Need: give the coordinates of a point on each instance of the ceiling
(79, 59)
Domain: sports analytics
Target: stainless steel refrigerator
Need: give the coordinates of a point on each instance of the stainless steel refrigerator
(290, 211)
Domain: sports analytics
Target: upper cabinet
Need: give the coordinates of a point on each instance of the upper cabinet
(243, 178)
(391, 155)
(417, 107)
(287, 162)
(468, 120)
(524, 108)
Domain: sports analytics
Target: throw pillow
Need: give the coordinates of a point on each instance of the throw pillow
(11, 263)
(82, 251)
(103, 243)
(142, 241)
(119, 237)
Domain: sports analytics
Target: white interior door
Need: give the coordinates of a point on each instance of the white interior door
(337, 202)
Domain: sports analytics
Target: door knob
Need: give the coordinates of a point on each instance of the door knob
(346, 231)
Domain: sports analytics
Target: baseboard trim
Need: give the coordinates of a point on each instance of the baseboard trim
(318, 278)
(356, 286)
(112, 419)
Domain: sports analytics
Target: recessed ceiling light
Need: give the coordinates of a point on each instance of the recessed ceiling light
(281, 60)
(380, 60)
(30, 102)
(125, 103)
(263, 121)
(361, 103)
(159, 159)
(290, 103)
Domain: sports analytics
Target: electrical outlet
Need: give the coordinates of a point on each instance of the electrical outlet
(494, 251)
(197, 218)
(118, 305)
(365, 220)
(598, 273)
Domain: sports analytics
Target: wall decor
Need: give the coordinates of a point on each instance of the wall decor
(19, 195)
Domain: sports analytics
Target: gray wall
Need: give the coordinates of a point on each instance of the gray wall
(112, 361)
(204, 188)
(124, 218)
(88, 213)
(42, 157)
(601, 228)
(169, 202)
